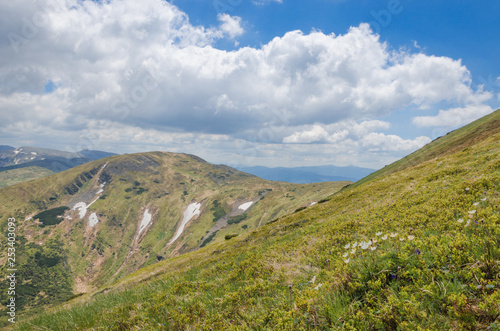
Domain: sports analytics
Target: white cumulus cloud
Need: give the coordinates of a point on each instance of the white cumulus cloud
(144, 67)
(453, 117)
(231, 25)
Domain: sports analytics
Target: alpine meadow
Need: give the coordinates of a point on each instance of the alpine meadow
(414, 246)
(226, 165)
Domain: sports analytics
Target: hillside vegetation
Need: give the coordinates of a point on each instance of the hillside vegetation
(101, 221)
(417, 249)
(16, 176)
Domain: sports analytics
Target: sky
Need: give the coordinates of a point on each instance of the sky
(246, 82)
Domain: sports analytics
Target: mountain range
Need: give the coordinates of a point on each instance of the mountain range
(312, 174)
(88, 226)
(28, 163)
(165, 241)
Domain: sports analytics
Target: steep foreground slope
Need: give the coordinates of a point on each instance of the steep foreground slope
(93, 224)
(415, 249)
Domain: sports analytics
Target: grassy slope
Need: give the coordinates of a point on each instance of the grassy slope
(16, 176)
(435, 265)
(448, 144)
(163, 183)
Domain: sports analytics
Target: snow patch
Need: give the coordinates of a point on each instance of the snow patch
(82, 208)
(246, 205)
(313, 203)
(27, 218)
(102, 188)
(191, 211)
(34, 153)
(16, 152)
(146, 219)
(93, 220)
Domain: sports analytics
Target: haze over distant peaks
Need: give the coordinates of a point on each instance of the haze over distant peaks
(313, 174)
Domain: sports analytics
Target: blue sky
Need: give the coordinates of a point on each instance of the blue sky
(469, 30)
(247, 82)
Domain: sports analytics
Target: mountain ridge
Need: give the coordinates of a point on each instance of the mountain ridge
(112, 216)
(415, 247)
(312, 174)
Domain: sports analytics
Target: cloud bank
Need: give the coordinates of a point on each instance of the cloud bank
(131, 76)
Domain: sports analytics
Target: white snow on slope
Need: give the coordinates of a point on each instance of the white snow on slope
(191, 211)
(146, 219)
(82, 208)
(93, 220)
(246, 205)
(102, 188)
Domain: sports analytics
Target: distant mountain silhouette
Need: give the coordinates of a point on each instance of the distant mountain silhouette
(304, 175)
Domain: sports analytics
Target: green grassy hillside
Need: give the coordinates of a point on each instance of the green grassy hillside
(448, 144)
(16, 176)
(91, 225)
(417, 249)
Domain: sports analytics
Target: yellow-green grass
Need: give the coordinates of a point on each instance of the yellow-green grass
(163, 183)
(434, 227)
(16, 176)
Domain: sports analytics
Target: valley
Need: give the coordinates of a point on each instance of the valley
(415, 246)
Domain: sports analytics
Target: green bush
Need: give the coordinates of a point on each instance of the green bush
(236, 219)
(51, 216)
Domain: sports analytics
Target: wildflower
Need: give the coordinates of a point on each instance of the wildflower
(313, 280)
(347, 246)
(394, 234)
(345, 254)
(347, 261)
(364, 245)
(467, 188)
(373, 248)
(374, 241)
(476, 203)
(384, 237)
(411, 237)
(401, 239)
(460, 220)
(468, 223)
(317, 287)
(418, 251)
(355, 244)
(483, 199)
(472, 212)
(378, 233)
(353, 251)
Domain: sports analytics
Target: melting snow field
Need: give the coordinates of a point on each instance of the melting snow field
(102, 188)
(93, 220)
(82, 208)
(246, 205)
(146, 219)
(191, 211)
